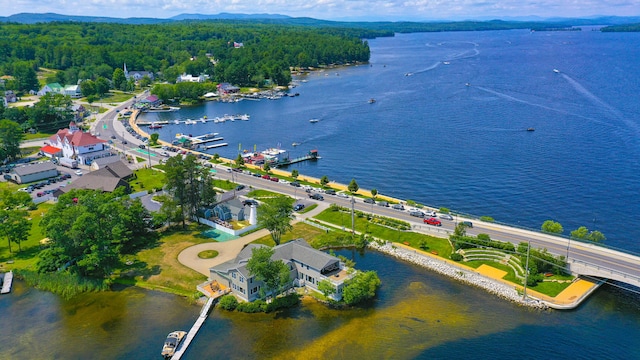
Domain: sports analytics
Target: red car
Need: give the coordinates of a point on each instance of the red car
(265, 176)
(274, 179)
(433, 221)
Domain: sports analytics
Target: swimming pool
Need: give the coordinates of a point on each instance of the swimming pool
(218, 236)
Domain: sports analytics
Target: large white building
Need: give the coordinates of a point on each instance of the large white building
(73, 143)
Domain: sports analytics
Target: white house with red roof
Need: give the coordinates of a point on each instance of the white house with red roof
(73, 143)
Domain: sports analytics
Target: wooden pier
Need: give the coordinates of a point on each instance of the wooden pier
(215, 146)
(312, 155)
(182, 348)
(6, 284)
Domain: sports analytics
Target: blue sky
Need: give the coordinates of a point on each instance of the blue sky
(332, 9)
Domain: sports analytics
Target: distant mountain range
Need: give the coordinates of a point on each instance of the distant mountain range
(32, 18)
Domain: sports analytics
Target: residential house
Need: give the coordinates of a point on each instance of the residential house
(51, 88)
(77, 145)
(190, 78)
(136, 75)
(307, 268)
(10, 97)
(73, 91)
(100, 163)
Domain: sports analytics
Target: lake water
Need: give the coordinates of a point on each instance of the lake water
(431, 138)
(417, 315)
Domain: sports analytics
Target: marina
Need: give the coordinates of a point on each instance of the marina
(202, 120)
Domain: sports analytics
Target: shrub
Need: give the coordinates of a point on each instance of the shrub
(444, 210)
(361, 287)
(487, 219)
(283, 302)
(228, 302)
(456, 257)
(252, 307)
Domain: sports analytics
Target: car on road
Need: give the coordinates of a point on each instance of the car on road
(369, 201)
(316, 196)
(142, 146)
(445, 216)
(468, 224)
(330, 192)
(398, 206)
(430, 213)
(417, 213)
(433, 221)
(165, 154)
(113, 137)
(274, 179)
(298, 207)
(343, 195)
(240, 187)
(256, 175)
(124, 142)
(79, 172)
(383, 203)
(265, 176)
(295, 184)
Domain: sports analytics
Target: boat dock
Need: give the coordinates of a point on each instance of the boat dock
(312, 155)
(200, 139)
(215, 146)
(6, 284)
(203, 120)
(194, 330)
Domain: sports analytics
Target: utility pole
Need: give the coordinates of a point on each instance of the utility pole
(526, 271)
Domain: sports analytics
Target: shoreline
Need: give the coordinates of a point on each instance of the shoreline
(441, 266)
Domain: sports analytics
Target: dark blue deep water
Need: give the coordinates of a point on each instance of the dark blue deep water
(431, 138)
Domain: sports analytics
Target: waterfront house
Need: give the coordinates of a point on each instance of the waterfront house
(226, 88)
(190, 78)
(307, 267)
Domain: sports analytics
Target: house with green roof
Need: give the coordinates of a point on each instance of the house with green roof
(55, 88)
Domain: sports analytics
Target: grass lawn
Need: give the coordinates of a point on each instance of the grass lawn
(316, 237)
(9, 186)
(257, 194)
(224, 184)
(208, 254)
(415, 240)
(116, 97)
(36, 136)
(147, 179)
(550, 288)
(158, 268)
(26, 151)
(139, 159)
(308, 208)
(28, 257)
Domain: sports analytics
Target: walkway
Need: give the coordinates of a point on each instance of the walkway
(228, 250)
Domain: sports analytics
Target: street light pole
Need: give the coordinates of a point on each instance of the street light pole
(353, 221)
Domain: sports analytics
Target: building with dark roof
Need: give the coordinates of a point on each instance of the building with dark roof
(108, 178)
(307, 266)
(34, 172)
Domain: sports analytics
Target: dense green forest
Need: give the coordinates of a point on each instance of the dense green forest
(93, 50)
(622, 28)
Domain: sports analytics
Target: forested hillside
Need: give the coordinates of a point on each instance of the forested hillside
(92, 50)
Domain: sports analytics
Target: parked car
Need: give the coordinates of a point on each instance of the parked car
(330, 192)
(295, 184)
(240, 187)
(265, 176)
(343, 195)
(40, 194)
(445, 216)
(142, 146)
(316, 196)
(79, 172)
(468, 224)
(369, 201)
(430, 213)
(274, 179)
(113, 137)
(124, 142)
(250, 202)
(417, 213)
(256, 174)
(398, 206)
(298, 207)
(433, 221)
(383, 203)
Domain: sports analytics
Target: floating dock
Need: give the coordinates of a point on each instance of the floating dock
(182, 348)
(215, 146)
(6, 284)
(202, 120)
(312, 155)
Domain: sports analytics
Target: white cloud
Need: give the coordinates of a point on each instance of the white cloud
(330, 9)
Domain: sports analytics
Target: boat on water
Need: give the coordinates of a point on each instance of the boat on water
(372, 100)
(171, 343)
(313, 121)
(295, 144)
(155, 126)
(531, 129)
(408, 74)
(556, 71)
